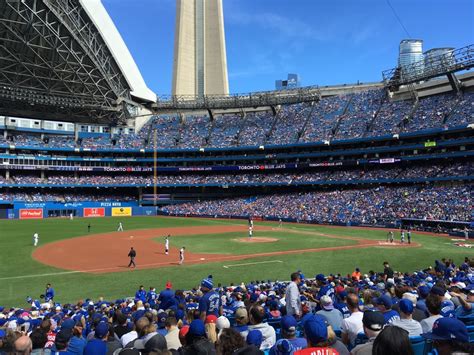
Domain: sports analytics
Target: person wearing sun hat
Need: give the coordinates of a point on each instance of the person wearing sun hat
(449, 336)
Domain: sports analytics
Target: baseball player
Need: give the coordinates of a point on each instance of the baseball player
(71, 216)
(181, 255)
(167, 244)
(402, 236)
(390, 237)
(280, 223)
(88, 228)
(132, 254)
(250, 231)
(409, 236)
(466, 233)
(120, 227)
(35, 239)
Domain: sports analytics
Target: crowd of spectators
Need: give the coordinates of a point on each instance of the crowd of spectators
(255, 128)
(365, 312)
(360, 113)
(376, 205)
(431, 112)
(331, 175)
(367, 113)
(322, 121)
(290, 122)
(225, 130)
(62, 197)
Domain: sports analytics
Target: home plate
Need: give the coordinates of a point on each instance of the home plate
(202, 259)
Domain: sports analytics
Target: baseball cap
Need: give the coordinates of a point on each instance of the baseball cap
(222, 323)
(320, 277)
(255, 337)
(448, 329)
(326, 303)
(183, 331)
(101, 330)
(157, 341)
(197, 328)
(63, 336)
(423, 291)
(211, 318)
(315, 329)
(384, 300)
(406, 306)
(283, 347)
(373, 320)
(68, 324)
(288, 324)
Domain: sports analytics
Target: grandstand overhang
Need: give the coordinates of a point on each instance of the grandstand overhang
(55, 60)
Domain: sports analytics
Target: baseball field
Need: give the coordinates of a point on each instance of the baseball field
(81, 264)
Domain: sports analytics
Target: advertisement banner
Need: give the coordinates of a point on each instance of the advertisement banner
(31, 213)
(94, 212)
(121, 211)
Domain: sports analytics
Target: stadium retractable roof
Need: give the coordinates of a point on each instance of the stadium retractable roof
(64, 59)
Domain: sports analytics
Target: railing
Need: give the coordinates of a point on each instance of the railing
(450, 62)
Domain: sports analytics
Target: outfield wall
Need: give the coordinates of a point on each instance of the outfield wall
(88, 209)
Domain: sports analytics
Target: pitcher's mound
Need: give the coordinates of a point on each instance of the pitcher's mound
(256, 240)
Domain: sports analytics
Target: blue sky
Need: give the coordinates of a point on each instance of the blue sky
(324, 41)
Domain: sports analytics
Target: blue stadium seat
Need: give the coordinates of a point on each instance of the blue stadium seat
(418, 345)
(470, 330)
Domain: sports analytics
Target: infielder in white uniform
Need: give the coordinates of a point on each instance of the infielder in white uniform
(167, 245)
(35, 239)
(250, 231)
(402, 237)
(181, 255)
(120, 227)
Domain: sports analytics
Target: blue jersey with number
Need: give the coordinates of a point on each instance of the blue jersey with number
(210, 303)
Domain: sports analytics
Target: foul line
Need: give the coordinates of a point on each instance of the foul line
(40, 275)
(257, 262)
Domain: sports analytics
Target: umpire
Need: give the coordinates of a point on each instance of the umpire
(132, 254)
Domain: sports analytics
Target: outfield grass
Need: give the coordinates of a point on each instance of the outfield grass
(21, 276)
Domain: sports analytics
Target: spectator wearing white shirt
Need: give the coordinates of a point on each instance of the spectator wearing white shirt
(292, 296)
(352, 325)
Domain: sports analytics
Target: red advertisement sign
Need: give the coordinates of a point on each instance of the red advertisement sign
(31, 213)
(94, 212)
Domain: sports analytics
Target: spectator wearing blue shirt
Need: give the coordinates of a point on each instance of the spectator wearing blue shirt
(141, 294)
(98, 344)
(384, 305)
(325, 288)
(61, 342)
(288, 331)
(167, 297)
(210, 302)
(151, 296)
(49, 293)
